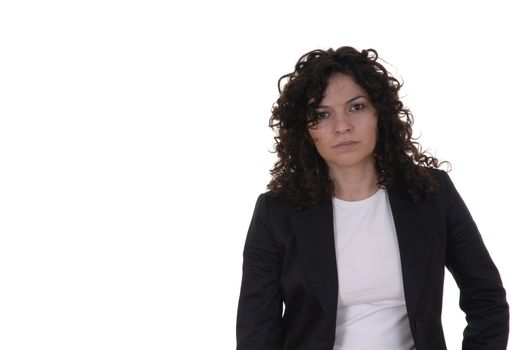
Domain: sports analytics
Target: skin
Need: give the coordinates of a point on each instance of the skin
(346, 114)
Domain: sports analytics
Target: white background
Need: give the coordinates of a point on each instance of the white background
(134, 142)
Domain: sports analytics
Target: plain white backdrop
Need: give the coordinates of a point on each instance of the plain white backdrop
(134, 142)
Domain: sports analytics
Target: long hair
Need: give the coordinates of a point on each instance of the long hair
(300, 174)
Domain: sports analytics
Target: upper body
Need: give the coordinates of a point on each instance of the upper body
(343, 135)
(289, 258)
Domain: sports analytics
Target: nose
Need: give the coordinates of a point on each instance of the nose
(343, 124)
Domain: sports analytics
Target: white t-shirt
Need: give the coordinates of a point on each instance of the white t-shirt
(371, 311)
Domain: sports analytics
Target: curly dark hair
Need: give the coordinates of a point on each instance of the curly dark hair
(300, 174)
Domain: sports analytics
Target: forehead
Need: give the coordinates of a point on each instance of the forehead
(340, 88)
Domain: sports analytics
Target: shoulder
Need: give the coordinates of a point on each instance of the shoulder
(439, 175)
(442, 178)
(277, 210)
(447, 193)
(276, 203)
(428, 185)
(419, 177)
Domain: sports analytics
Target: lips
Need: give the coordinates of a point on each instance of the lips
(346, 143)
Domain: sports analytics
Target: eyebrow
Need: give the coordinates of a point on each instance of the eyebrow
(348, 101)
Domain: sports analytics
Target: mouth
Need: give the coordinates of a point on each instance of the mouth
(346, 144)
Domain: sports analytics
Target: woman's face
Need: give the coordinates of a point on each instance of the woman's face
(345, 135)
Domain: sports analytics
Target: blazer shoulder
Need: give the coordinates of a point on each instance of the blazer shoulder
(441, 177)
(447, 194)
(437, 174)
(277, 202)
(276, 208)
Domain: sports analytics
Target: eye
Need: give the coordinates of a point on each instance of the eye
(357, 107)
(322, 115)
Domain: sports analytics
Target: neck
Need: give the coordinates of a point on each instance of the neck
(354, 183)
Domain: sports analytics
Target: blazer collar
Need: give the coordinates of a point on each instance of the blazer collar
(314, 231)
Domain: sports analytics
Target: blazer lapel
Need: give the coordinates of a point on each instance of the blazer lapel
(411, 223)
(314, 231)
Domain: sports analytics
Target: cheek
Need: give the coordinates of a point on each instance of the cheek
(318, 139)
(371, 129)
(315, 135)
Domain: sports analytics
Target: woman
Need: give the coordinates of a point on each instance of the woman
(347, 249)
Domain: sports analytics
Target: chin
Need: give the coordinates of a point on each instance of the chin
(354, 162)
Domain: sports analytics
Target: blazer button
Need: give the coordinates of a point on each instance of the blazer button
(417, 324)
(321, 338)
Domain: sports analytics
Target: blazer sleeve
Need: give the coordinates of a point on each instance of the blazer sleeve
(259, 323)
(482, 296)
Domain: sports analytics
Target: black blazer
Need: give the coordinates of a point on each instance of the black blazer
(289, 258)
